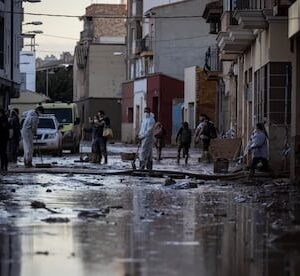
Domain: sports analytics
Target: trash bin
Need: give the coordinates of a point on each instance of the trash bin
(221, 165)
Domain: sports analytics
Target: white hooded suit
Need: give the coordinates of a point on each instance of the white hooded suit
(147, 139)
(28, 131)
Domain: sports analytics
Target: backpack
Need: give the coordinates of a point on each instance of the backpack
(210, 131)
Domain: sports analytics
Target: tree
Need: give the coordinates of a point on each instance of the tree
(60, 83)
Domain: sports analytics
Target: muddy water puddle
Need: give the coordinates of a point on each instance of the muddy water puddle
(136, 226)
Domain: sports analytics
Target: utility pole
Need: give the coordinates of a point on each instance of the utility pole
(12, 33)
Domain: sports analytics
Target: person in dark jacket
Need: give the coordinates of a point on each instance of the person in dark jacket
(4, 136)
(184, 139)
(101, 141)
(159, 133)
(14, 140)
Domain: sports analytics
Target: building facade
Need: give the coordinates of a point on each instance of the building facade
(255, 81)
(10, 46)
(99, 67)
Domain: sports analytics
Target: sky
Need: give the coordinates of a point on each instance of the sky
(59, 34)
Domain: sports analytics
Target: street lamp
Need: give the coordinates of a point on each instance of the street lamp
(34, 32)
(34, 23)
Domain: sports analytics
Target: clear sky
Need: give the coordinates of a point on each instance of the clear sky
(67, 28)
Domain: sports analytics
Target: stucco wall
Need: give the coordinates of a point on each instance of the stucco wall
(106, 71)
(175, 48)
(189, 91)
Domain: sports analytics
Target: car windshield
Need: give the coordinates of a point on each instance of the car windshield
(63, 115)
(46, 123)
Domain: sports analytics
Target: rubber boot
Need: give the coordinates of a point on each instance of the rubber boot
(105, 159)
(178, 159)
(186, 159)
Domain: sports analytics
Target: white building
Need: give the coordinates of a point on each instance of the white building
(28, 71)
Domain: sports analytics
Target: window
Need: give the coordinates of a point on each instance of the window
(46, 123)
(63, 115)
(1, 42)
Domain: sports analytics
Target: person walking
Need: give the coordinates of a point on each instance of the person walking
(4, 136)
(205, 132)
(14, 140)
(28, 131)
(258, 147)
(159, 137)
(146, 140)
(184, 139)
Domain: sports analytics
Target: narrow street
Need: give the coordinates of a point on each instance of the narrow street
(126, 225)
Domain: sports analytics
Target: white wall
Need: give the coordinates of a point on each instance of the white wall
(189, 92)
(139, 100)
(27, 66)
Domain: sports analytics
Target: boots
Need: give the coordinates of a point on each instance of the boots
(186, 159)
(105, 159)
(178, 158)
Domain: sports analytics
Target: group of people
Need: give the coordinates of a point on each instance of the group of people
(152, 133)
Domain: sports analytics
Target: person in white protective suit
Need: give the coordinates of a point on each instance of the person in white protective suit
(28, 131)
(146, 139)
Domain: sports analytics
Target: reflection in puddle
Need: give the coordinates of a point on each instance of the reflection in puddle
(148, 230)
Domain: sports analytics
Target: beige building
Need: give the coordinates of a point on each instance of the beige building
(99, 66)
(255, 82)
(294, 36)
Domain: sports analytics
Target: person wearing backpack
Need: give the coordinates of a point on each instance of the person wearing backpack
(184, 139)
(206, 133)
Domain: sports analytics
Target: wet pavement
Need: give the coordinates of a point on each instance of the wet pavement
(124, 225)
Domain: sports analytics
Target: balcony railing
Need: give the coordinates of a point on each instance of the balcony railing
(212, 60)
(146, 44)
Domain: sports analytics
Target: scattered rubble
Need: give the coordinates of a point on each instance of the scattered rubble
(56, 220)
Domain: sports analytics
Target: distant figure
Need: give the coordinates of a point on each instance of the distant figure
(205, 131)
(184, 139)
(101, 143)
(94, 131)
(159, 133)
(258, 146)
(4, 136)
(146, 140)
(28, 131)
(15, 137)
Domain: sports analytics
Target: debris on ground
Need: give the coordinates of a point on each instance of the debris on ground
(56, 220)
(92, 214)
(169, 181)
(184, 185)
(41, 205)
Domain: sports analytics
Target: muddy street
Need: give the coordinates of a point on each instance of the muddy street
(67, 224)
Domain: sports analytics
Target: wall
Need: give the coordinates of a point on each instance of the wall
(166, 90)
(189, 92)
(127, 102)
(140, 94)
(106, 71)
(27, 66)
(107, 26)
(174, 47)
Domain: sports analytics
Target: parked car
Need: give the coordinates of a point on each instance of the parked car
(67, 116)
(48, 137)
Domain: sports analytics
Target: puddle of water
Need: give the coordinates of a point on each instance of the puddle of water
(158, 231)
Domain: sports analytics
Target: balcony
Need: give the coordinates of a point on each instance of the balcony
(146, 47)
(234, 42)
(251, 19)
(212, 66)
(212, 13)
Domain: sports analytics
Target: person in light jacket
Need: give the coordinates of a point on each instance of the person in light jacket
(28, 131)
(258, 147)
(146, 139)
